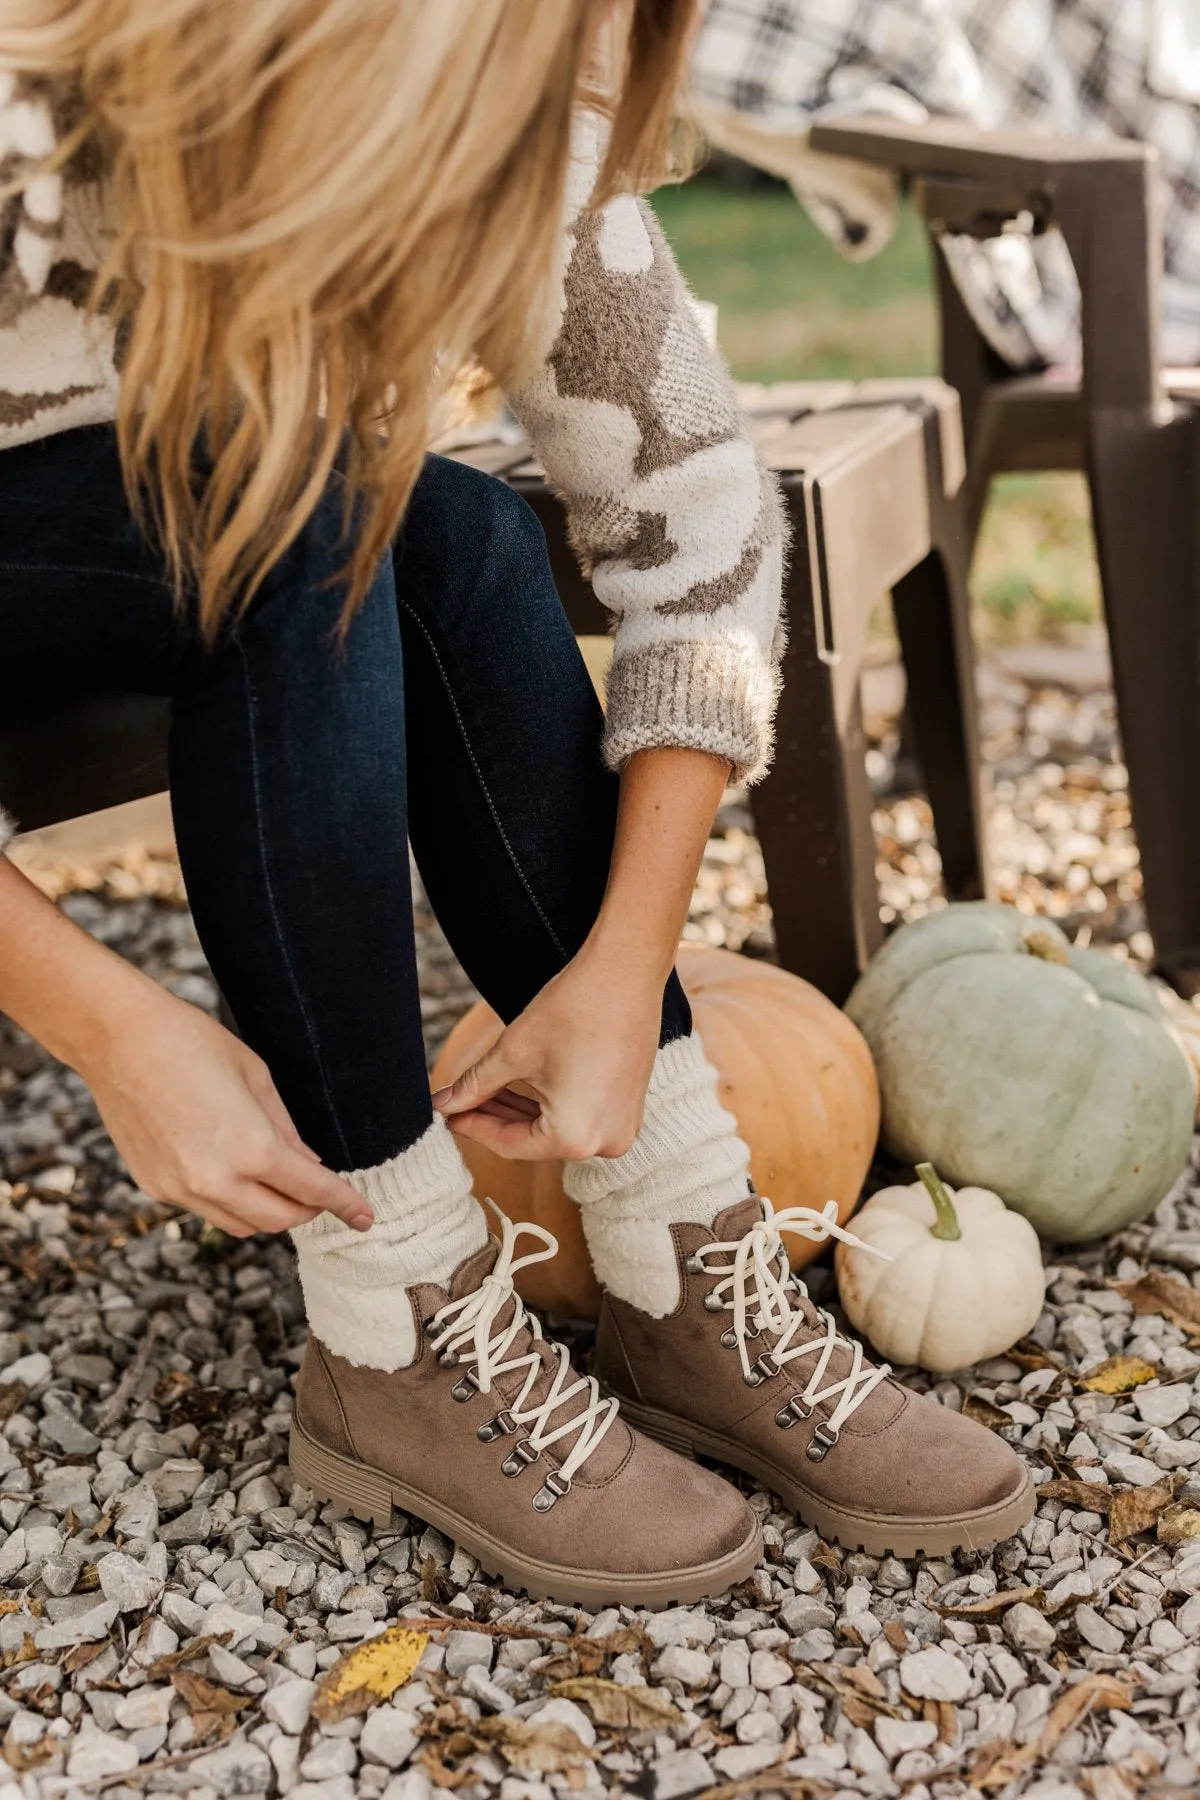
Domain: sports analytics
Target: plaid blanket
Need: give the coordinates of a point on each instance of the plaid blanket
(763, 70)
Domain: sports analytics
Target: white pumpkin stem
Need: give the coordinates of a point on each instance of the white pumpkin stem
(1045, 948)
(947, 1226)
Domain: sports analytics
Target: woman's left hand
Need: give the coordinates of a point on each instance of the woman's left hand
(568, 1078)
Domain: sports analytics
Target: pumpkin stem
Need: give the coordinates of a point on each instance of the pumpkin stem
(947, 1227)
(1045, 948)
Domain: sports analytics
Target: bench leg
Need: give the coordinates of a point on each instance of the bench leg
(813, 816)
(933, 625)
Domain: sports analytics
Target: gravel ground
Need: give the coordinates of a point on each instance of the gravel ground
(169, 1596)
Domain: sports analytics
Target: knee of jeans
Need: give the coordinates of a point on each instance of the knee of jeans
(490, 520)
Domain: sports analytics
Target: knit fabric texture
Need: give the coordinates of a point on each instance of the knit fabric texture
(686, 1165)
(675, 520)
(426, 1222)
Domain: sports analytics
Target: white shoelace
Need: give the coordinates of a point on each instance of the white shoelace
(761, 1292)
(465, 1332)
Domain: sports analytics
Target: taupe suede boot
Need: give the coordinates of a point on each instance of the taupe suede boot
(491, 1436)
(747, 1370)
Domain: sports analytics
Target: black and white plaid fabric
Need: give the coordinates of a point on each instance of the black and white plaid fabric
(1087, 68)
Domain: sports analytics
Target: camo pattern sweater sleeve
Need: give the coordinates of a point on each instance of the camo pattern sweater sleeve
(672, 514)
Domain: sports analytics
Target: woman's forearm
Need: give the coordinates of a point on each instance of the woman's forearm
(669, 799)
(56, 982)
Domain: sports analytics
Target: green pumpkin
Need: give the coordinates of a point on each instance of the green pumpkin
(1016, 1063)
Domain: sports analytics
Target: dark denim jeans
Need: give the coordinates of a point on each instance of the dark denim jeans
(458, 713)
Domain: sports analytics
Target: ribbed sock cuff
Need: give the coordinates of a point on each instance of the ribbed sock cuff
(427, 1221)
(686, 1165)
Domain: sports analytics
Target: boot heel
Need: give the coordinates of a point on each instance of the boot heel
(659, 1426)
(361, 1491)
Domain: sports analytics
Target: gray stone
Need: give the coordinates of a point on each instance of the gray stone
(738, 1761)
(677, 1774)
(768, 1671)
(1027, 1629)
(813, 1647)
(1138, 1471)
(329, 1756)
(468, 1649)
(1098, 1632)
(125, 1582)
(144, 1707)
(289, 1704)
(896, 1737)
(237, 1767)
(692, 1667)
(96, 1753)
(30, 1371)
(195, 1526)
(478, 1686)
(387, 1737)
(1162, 1405)
(258, 1495)
(679, 1625)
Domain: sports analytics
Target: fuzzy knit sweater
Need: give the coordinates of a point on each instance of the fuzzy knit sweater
(632, 415)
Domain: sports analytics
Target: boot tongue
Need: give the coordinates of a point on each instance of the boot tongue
(609, 1453)
(737, 1219)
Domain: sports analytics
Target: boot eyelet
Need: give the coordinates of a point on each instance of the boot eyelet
(551, 1490)
(519, 1458)
(503, 1425)
(821, 1443)
(713, 1304)
(449, 1359)
(729, 1339)
(434, 1328)
(794, 1413)
(693, 1265)
(761, 1371)
(466, 1387)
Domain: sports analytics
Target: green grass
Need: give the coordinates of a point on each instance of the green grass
(791, 306)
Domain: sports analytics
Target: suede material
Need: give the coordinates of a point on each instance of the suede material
(899, 1455)
(634, 1508)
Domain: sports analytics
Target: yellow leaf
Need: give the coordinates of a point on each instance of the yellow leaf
(368, 1674)
(627, 1708)
(1178, 1525)
(1119, 1375)
(1136, 1509)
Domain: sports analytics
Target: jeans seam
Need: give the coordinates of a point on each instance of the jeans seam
(23, 568)
(272, 905)
(483, 786)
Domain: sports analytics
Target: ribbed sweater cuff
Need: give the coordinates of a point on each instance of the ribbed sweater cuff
(8, 830)
(718, 697)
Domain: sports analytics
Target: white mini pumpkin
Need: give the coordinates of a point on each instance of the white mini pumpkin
(964, 1280)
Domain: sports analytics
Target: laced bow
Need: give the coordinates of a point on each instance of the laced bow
(467, 1332)
(763, 1294)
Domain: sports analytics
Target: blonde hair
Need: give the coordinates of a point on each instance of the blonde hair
(322, 209)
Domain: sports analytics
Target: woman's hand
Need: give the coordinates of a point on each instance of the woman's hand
(194, 1113)
(567, 1079)
(197, 1119)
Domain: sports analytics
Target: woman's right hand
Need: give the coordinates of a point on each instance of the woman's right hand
(196, 1116)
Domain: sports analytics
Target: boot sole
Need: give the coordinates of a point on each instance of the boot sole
(370, 1494)
(875, 1533)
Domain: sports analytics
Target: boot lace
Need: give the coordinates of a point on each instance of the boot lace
(466, 1332)
(763, 1295)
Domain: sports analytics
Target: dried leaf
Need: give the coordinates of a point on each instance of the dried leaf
(991, 1604)
(546, 1749)
(1031, 1356)
(1090, 1496)
(859, 1711)
(82, 1654)
(166, 1665)
(1094, 1693)
(1137, 1509)
(1105, 1783)
(1178, 1525)
(943, 1714)
(865, 1680)
(1155, 1292)
(432, 1585)
(896, 1635)
(1119, 1375)
(213, 1709)
(23, 1757)
(625, 1708)
(984, 1413)
(368, 1674)
(998, 1762)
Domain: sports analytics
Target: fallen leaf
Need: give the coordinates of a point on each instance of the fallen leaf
(23, 1757)
(213, 1709)
(432, 1584)
(1119, 1375)
(991, 1604)
(82, 1654)
(1090, 1496)
(1095, 1693)
(1137, 1509)
(546, 1749)
(859, 1710)
(1155, 1292)
(1105, 1783)
(984, 1413)
(12, 1659)
(943, 1714)
(896, 1635)
(1031, 1356)
(368, 1674)
(866, 1680)
(626, 1708)
(997, 1762)
(1178, 1525)
(166, 1665)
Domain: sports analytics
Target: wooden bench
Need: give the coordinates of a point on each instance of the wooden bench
(873, 475)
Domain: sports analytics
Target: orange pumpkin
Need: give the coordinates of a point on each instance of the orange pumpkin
(794, 1071)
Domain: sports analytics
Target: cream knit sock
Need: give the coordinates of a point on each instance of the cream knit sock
(426, 1222)
(687, 1164)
